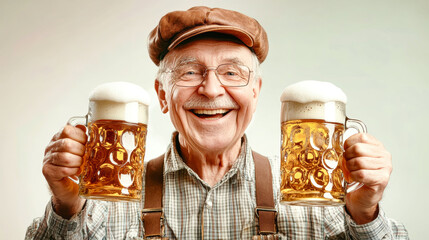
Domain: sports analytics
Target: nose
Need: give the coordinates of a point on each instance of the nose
(211, 86)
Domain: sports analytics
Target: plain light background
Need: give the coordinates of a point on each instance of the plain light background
(53, 53)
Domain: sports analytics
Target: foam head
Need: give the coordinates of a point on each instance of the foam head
(313, 100)
(119, 101)
(313, 91)
(124, 92)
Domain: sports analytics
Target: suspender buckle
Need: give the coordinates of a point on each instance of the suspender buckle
(154, 229)
(151, 210)
(267, 222)
(265, 209)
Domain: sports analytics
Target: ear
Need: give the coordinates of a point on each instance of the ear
(159, 88)
(257, 88)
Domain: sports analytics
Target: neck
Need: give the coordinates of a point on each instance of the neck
(210, 166)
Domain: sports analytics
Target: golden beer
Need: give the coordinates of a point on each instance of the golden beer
(313, 121)
(113, 161)
(311, 159)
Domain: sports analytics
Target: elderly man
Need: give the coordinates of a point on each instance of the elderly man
(207, 181)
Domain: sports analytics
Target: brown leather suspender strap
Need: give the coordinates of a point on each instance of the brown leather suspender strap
(265, 209)
(152, 212)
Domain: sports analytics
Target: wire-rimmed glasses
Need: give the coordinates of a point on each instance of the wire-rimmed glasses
(193, 74)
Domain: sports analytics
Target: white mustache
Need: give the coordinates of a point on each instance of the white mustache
(200, 102)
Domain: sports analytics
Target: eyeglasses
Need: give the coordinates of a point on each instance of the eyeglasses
(193, 74)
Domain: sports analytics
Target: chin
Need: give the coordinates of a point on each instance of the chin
(217, 143)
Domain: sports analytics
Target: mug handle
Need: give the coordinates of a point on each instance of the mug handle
(361, 128)
(74, 121)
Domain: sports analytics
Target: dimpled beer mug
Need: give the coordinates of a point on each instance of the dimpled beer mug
(313, 122)
(113, 161)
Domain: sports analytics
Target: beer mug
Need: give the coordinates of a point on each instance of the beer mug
(313, 123)
(113, 160)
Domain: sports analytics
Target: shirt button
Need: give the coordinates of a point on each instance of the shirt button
(209, 203)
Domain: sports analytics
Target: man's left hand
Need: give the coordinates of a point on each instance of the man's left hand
(368, 162)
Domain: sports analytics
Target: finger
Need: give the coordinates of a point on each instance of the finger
(68, 131)
(74, 133)
(57, 173)
(361, 138)
(365, 150)
(63, 159)
(371, 177)
(365, 163)
(66, 145)
(81, 127)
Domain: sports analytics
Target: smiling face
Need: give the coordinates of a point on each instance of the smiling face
(210, 117)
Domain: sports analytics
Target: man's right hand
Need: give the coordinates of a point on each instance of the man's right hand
(63, 158)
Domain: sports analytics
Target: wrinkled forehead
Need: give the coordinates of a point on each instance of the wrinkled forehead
(220, 47)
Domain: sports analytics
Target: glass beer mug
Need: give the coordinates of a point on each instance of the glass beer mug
(313, 122)
(113, 160)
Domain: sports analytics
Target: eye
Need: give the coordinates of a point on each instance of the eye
(193, 72)
(227, 70)
(231, 73)
(189, 73)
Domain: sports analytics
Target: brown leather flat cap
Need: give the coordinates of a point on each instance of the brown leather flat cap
(177, 26)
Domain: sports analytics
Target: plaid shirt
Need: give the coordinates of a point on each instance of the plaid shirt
(195, 210)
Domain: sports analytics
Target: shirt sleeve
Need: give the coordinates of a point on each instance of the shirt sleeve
(380, 228)
(87, 224)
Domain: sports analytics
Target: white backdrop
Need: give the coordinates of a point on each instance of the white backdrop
(52, 53)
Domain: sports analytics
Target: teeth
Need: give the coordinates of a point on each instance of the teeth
(210, 112)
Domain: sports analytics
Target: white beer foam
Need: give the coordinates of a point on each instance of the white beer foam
(119, 101)
(134, 112)
(313, 100)
(329, 111)
(123, 92)
(313, 91)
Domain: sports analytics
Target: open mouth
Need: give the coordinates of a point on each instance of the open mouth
(210, 113)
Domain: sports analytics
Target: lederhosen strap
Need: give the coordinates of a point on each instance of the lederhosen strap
(265, 209)
(152, 214)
